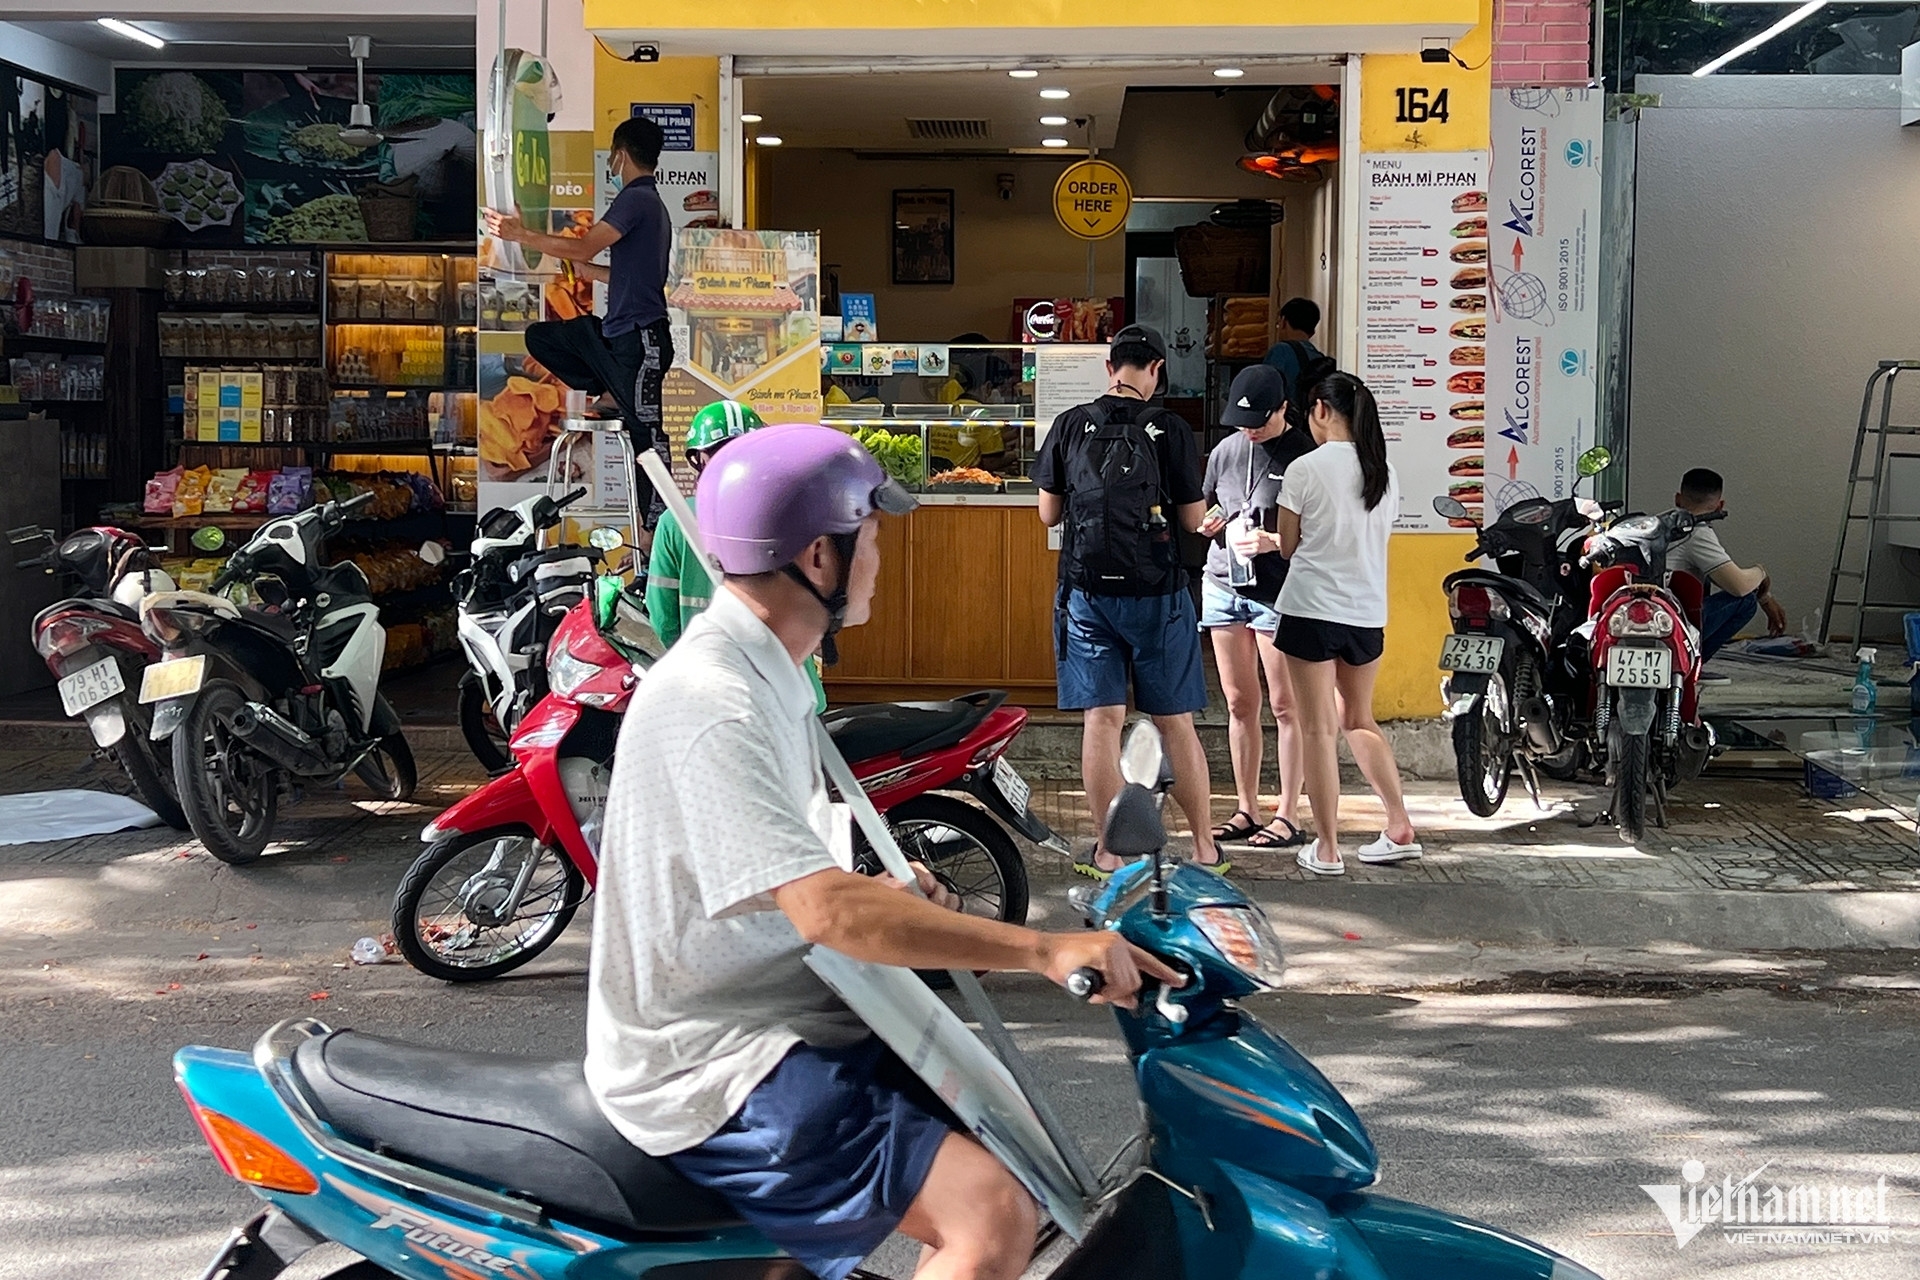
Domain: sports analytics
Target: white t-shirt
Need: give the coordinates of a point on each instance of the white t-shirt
(1339, 571)
(697, 989)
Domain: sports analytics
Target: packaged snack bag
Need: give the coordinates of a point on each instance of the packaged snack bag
(253, 492)
(160, 489)
(222, 489)
(288, 491)
(190, 495)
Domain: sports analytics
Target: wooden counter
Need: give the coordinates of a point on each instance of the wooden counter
(965, 602)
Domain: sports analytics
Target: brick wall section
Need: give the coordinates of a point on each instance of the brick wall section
(49, 266)
(1542, 42)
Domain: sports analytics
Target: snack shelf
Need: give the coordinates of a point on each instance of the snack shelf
(397, 448)
(33, 342)
(178, 306)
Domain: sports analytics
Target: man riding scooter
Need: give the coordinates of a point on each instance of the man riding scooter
(709, 1041)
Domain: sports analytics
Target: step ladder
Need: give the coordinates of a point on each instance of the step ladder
(1860, 529)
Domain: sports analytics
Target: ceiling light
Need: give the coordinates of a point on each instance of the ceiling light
(751, 117)
(1228, 73)
(1055, 143)
(1053, 122)
(132, 32)
(1022, 73)
(1056, 95)
(1751, 43)
(769, 140)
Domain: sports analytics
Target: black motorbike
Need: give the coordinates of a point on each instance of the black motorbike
(1518, 684)
(277, 688)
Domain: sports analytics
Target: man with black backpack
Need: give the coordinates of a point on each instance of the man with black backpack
(1124, 475)
(1293, 352)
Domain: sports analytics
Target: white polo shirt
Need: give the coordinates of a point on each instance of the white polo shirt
(697, 988)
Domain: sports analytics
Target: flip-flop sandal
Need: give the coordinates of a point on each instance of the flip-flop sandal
(1268, 838)
(1093, 871)
(1234, 831)
(1219, 868)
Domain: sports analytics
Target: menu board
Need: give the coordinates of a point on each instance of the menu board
(1423, 324)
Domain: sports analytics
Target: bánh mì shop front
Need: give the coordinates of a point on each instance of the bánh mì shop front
(989, 191)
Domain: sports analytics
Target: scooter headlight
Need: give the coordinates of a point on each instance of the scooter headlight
(566, 673)
(1244, 937)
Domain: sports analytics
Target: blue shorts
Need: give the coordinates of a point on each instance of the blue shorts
(827, 1153)
(1154, 641)
(1223, 607)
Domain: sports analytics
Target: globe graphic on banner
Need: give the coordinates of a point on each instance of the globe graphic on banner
(1511, 492)
(1524, 296)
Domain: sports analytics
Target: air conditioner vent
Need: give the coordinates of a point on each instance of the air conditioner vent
(949, 130)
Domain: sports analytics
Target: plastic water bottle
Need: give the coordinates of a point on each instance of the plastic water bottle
(1866, 695)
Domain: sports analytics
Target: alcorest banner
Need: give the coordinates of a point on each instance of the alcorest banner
(1543, 328)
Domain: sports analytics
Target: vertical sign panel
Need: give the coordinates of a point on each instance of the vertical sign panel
(1544, 253)
(1423, 323)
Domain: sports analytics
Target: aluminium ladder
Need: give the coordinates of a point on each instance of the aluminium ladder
(1876, 517)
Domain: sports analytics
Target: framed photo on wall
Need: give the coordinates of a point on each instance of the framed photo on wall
(923, 236)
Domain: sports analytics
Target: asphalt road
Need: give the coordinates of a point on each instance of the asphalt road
(1540, 1111)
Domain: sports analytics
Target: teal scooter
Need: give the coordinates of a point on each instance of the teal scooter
(434, 1163)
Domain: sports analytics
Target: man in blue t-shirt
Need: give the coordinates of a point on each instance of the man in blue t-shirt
(625, 356)
(1293, 338)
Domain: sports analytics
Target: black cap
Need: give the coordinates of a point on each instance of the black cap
(1145, 333)
(1257, 392)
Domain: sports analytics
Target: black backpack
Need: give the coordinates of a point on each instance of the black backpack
(1114, 546)
(1312, 368)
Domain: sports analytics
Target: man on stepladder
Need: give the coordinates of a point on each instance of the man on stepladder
(623, 358)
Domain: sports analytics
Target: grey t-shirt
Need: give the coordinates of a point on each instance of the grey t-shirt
(697, 988)
(1699, 554)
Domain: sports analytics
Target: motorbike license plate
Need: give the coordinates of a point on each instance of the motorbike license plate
(91, 686)
(1011, 785)
(174, 679)
(1479, 655)
(1634, 668)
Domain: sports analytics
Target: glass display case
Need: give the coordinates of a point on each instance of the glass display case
(960, 421)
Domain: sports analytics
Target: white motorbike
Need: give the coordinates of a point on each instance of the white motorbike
(511, 596)
(284, 690)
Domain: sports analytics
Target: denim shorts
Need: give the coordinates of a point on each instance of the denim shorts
(1223, 607)
(827, 1154)
(1153, 642)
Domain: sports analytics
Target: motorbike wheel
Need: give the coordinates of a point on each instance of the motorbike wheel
(151, 776)
(967, 850)
(1483, 753)
(1569, 764)
(229, 793)
(449, 912)
(388, 769)
(484, 735)
(1630, 785)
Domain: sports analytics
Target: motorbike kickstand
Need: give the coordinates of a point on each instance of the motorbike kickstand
(1531, 777)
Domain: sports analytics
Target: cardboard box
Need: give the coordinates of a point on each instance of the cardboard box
(95, 267)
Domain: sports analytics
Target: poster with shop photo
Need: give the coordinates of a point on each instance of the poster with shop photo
(1543, 332)
(49, 156)
(1423, 324)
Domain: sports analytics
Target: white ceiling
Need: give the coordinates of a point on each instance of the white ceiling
(304, 39)
(869, 111)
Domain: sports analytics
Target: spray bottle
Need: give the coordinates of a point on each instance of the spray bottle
(1866, 695)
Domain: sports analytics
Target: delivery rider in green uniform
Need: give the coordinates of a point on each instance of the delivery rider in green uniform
(678, 588)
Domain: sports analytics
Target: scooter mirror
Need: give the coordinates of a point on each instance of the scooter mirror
(432, 552)
(210, 538)
(1143, 756)
(1134, 829)
(1594, 461)
(604, 538)
(1451, 508)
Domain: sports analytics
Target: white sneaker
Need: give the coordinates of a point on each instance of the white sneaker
(1385, 850)
(1309, 859)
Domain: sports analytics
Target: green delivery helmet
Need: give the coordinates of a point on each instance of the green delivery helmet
(718, 423)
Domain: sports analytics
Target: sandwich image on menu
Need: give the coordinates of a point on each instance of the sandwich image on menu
(1465, 475)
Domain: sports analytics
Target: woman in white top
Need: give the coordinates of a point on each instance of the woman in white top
(1337, 508)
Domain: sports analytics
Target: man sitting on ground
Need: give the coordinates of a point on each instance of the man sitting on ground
(1734, 594)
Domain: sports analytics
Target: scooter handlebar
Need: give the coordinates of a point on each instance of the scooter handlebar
(1085, 983)
(571, 498)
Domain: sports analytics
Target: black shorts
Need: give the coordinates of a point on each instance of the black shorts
(1311, 640)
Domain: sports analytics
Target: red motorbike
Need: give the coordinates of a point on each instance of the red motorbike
(93, 644)
(506, 868)
(1646, 663)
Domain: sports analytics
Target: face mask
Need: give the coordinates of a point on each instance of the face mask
(613, 179)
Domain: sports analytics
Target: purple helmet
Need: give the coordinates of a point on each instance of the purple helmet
(768, 495)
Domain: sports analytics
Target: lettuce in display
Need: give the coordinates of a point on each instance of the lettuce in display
(898, 453)
(176, 111)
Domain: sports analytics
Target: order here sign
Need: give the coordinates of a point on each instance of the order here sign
(1091, 199)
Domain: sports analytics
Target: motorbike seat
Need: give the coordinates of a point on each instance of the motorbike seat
(88, 604)
(909, 728)
(527, 1126)
(278, 625)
